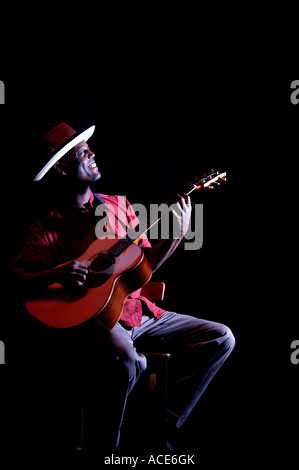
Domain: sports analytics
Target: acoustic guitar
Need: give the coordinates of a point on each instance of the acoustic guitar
(117, 267)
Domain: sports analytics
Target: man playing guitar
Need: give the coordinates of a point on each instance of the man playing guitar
(50, 255)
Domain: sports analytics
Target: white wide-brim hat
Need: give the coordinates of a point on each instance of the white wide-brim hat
(57, 142)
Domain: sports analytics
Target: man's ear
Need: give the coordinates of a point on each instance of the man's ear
(58, 167)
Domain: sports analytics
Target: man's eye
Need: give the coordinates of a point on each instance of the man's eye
(82, 154)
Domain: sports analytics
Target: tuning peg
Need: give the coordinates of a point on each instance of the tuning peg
(223, 178)
(210, 187)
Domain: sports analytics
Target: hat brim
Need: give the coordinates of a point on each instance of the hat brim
(85, 135)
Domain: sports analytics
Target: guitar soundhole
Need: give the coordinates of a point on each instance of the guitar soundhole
(101, 269)
(102, 262)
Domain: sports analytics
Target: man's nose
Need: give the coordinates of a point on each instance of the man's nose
(90, 153)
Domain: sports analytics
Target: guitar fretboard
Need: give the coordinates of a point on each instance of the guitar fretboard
(120, 246)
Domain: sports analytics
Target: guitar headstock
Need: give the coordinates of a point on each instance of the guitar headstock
(209, 180)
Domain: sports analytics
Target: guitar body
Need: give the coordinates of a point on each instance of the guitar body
(104, 294)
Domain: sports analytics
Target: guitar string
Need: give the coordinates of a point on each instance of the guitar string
(212, 178)
(144, 226)
(151, 221)
(166, 211)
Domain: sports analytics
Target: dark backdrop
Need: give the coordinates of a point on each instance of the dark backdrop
(156, 128)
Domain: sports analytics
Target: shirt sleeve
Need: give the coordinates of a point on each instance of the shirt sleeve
(35, 254)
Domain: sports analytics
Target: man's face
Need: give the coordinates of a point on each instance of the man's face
(79, 163)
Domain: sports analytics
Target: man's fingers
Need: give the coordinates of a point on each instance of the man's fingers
(184, 200)
(79, 264)
(176, 211)
(80, 270)
(80, 267)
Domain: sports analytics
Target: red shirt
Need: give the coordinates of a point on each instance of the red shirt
(64, 233)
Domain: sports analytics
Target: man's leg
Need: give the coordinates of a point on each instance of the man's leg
(198, 348)
(118, 366)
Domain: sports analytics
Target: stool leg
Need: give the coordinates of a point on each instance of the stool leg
(164, 398)
(158, 383)
(80, 447)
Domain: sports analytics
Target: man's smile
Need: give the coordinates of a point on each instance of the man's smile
(92, 164)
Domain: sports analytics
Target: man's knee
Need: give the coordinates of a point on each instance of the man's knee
(132, 363)
(225, 336)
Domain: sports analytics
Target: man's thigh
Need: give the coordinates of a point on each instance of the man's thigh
(175, 331)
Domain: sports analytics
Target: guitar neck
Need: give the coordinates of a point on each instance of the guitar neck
(205, 182)
(185, 191)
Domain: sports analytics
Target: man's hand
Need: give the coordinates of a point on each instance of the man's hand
(181, 209)
(73, 273)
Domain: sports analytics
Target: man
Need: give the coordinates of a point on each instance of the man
(198, 347)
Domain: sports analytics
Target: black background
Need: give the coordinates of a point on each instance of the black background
(166, 109)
